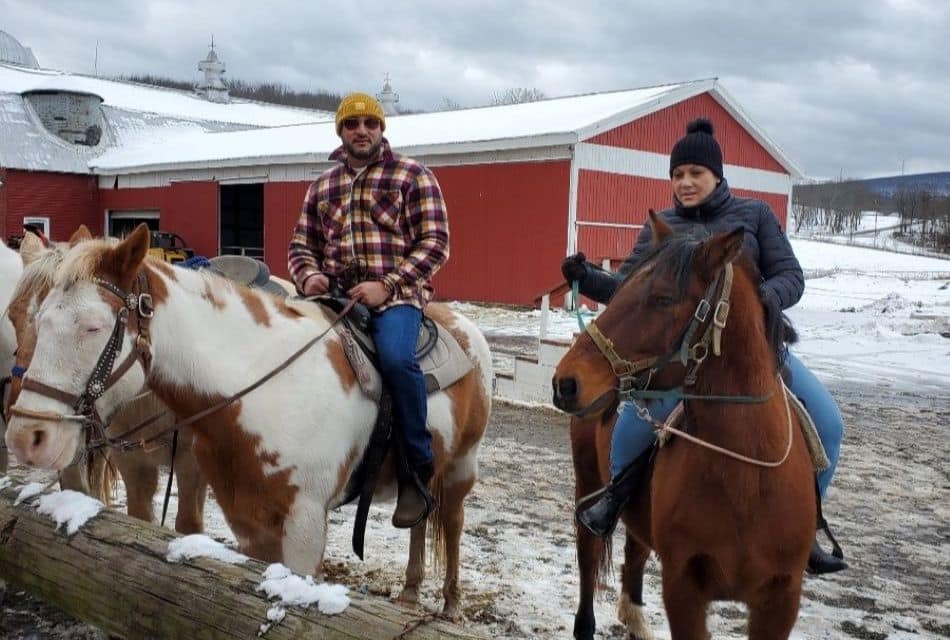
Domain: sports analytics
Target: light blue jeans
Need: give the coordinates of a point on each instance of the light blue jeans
(632, 435)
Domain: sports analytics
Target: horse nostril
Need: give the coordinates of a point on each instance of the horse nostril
(38, 436)
(567, 388)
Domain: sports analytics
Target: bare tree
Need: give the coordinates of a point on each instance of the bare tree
(516, 95)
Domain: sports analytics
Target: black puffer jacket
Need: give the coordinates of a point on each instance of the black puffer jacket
(765, 243)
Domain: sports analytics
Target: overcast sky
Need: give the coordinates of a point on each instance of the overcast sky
(859, 88)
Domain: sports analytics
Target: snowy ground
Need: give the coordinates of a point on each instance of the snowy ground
(879, 341)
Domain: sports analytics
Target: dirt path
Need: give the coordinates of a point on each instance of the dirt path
(889, 506)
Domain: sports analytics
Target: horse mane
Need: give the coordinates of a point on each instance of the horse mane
(82, 261)
(41, 273)
(673, 257)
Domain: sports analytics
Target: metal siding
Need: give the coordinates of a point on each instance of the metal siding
(192, 208)
(659, 131)
(615, 198)
(4, 235)
(507, 224)
(778, 203)
(68, 200)
(283, 202)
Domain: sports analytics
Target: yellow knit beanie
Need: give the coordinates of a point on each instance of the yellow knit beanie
(359, 104)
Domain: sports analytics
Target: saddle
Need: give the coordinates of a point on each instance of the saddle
(441, 358)
(247, 271)
(443, 362)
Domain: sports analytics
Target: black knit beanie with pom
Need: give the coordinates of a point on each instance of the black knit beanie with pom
(698, 146)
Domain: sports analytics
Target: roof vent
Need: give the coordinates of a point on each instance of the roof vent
(75, 117)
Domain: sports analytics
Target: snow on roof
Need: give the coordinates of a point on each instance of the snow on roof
(170, 102)
(545, 122)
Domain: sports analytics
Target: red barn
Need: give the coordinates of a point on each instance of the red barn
(525, 184)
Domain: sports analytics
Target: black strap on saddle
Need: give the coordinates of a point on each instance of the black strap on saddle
(824, 526)
(363, 481)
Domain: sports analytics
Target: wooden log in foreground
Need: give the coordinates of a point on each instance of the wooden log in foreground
(113, 574)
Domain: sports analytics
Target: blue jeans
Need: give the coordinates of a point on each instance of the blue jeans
(632, 436)
(395, 332)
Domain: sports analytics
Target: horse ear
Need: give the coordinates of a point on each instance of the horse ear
(31, 248)
(127, 257)
(80, 235)
(660, 229)
(720, 250)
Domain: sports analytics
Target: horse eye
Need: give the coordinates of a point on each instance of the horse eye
(662, 301)
(92, 329)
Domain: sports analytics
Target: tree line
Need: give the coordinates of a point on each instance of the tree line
(923, 211)
(272, 92)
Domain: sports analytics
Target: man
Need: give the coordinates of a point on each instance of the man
(375, 226)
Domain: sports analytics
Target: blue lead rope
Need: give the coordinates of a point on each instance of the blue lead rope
(575, 300)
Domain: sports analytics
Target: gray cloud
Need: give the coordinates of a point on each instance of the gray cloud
(843, 87)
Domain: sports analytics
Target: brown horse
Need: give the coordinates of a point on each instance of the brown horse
(139, 468)
(730, 509)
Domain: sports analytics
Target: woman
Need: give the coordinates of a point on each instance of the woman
(701, 198)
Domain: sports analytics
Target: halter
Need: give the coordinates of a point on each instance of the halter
(633, 378)
(103, 376)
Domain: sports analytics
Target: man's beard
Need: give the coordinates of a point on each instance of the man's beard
(353, 152)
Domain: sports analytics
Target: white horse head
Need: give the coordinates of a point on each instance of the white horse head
(278, 457)
(85, 324)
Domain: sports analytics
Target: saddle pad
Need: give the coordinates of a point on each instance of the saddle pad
(815, 449)
(444, 365)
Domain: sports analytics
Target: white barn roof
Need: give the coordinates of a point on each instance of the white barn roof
(152, 129)
(555, 121)
(148, 99)
(134, 115)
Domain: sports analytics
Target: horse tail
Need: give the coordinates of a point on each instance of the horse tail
(437, 526)
(102, 476)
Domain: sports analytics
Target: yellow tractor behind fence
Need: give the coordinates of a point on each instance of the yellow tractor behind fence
(169, 247)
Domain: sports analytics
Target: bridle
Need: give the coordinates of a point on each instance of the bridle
(136, 306)
(139, 307)
(633, 378)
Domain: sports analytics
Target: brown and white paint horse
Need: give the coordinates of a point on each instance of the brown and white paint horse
(138, 467)
(278, 458)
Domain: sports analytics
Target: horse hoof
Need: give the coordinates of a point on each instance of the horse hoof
(408, 595)
(451, 613)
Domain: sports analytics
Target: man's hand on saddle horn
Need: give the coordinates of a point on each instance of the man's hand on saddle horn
(316, 284)
(371, 293)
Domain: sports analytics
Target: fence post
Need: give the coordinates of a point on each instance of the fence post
(545, 312)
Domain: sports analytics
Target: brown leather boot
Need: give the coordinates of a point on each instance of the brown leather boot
(415, 502)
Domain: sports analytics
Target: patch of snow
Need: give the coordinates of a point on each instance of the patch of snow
(69, 508)
(291, 589)
(201, 546)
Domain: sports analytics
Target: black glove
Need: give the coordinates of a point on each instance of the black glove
(575, 267)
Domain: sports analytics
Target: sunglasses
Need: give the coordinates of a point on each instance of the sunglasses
(352, 124)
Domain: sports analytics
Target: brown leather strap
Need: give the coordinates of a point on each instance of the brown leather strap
(29, 384)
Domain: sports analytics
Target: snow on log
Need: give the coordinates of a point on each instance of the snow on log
(113, 574)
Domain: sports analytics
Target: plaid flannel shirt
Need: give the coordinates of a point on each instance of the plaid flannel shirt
(385, 222)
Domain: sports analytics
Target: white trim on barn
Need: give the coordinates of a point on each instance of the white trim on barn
(572, 204)
(647, 164)
(298, 172)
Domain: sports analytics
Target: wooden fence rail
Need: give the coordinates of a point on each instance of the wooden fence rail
(113, 575)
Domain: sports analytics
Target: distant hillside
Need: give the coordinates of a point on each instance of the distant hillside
(934, 183)
(262, 92)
